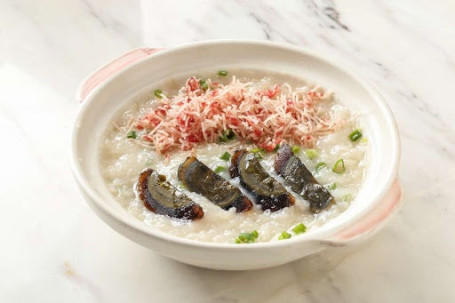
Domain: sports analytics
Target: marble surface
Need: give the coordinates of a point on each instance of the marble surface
(54, 249)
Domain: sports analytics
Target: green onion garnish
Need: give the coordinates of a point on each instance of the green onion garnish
(320, 166)
(132, 134)
(332, 186)
(355, 135)
(219, 169)
(222, 73)
(203, 84)
(347, 198)
(295, 149)
(226, 156)
(259, 152)
(230, 135)
(158, 93)
(299, 229)
(247, 237)
(339, 167)
(276, 148)
(311, 153)
(227, 135)
(284, 235)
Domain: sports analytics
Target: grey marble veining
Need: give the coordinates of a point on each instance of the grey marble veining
(55, 249)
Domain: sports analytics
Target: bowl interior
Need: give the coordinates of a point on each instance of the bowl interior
(103, 103)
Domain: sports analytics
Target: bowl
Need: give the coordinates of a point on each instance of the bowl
(109, 88)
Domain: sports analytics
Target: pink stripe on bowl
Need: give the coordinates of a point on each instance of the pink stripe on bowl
(374, 220)
(110, 69)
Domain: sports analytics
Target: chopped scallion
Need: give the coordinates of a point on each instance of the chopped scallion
(320, 166)
(227, 135)
(259, 152)
(332, 186)
(311, 153)
(296, 149)
(299, 229)
(203, 84)
(284, 235)
(339, 167)
(158, 93)
(355, 135)
(347, 198)
(222, 73)
(219, 169)
(247, 237)
(230, 135)
(132, 134)
(226, 156)
(276, 148)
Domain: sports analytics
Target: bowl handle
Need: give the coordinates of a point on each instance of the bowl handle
(110, 69)
(372, 222)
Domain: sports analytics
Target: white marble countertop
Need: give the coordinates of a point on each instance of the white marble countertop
(54, 248)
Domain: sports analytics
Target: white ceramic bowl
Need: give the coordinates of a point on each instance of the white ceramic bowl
(107, 90)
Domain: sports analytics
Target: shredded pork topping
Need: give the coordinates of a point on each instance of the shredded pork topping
(202, 112)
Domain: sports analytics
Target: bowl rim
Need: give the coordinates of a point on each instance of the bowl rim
(317, 235)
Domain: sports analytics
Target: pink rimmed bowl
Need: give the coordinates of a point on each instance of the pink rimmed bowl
(108, 89)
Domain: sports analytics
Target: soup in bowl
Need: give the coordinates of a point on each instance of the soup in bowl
(236, 155)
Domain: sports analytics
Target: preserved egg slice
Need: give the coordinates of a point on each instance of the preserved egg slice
(267, 191)
(199, 178)
(301, 181)
(159, 196)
